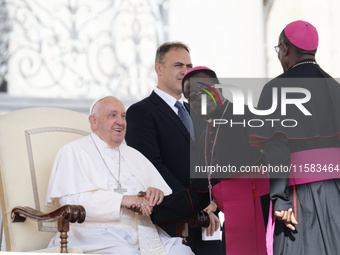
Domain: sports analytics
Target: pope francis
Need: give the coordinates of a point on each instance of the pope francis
(105, 176)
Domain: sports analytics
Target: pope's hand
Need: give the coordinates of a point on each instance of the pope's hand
(137, 204)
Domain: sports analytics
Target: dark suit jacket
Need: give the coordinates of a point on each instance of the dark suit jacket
(155, 130)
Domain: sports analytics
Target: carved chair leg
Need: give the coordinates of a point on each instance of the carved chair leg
(182, 231)
(63, 228)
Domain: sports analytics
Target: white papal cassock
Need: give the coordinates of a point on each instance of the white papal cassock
(79, 176)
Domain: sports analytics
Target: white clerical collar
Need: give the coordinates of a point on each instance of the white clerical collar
(170, 100)
(102, 145)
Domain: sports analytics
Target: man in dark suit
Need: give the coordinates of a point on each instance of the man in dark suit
(155, 128)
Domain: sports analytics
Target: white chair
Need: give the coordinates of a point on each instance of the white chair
(29, 141)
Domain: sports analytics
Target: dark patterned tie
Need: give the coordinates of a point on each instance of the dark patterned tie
(183, 115)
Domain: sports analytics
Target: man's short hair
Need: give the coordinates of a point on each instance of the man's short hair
(167, 46)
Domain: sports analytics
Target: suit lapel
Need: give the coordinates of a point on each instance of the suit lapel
(162, 106)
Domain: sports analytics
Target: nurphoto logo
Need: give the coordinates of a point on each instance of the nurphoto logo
(281, 98)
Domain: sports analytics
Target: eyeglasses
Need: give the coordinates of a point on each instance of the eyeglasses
(196, 93)
(193, 97)
(277, 48)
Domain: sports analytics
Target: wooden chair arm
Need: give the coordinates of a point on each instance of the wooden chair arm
(71, 213)
(200, 220)
(64, 215)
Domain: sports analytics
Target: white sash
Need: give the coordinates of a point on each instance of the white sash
(149, 241)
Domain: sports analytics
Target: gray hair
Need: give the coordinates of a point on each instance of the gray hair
(167, 46)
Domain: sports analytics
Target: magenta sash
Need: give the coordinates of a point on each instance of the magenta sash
(314, 165)
(239, 200)
(306, 167)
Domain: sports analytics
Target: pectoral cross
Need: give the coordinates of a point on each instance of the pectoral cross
(210, 187)
(119, 189)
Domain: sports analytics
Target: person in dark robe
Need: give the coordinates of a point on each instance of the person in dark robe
(237, 195)
(303, 144)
